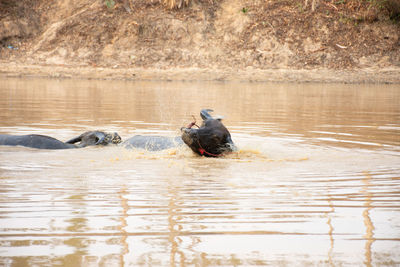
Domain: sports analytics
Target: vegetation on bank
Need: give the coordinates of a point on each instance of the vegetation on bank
(372, 8)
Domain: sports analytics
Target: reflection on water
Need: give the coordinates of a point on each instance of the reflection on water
(316, 180)
(367, 220)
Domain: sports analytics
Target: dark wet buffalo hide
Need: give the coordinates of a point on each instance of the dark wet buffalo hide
(211, 139)
(91, 138)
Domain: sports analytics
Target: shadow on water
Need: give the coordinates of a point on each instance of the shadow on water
(315, 181)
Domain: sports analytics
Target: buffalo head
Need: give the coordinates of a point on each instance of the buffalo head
(211, 139)
(94, 138)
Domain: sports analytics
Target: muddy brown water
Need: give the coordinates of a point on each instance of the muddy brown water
(316, 180)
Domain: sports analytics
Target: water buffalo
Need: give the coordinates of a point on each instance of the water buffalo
(211, 139)
(90, 138)
(94, 138)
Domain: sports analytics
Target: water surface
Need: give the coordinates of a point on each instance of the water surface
(316, 180)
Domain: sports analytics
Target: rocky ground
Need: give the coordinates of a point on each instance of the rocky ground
(258, 40)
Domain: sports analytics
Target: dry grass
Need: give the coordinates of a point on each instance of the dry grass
(175, 3)
(313, 4)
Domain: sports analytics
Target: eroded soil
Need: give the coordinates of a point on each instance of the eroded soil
(273, 40)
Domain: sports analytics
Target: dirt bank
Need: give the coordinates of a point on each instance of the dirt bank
(273, 40)
(373, 75)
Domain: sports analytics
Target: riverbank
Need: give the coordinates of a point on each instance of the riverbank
(350, 41)
(371, 75)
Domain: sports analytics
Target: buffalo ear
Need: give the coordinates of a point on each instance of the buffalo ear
(100, 136)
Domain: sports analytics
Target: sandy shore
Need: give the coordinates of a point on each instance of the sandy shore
(384, 75)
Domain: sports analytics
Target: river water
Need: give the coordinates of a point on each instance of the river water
(316, 180)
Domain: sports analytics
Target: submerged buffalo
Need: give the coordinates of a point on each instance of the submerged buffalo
(152, 143)
(91, 138)
(211, 139)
